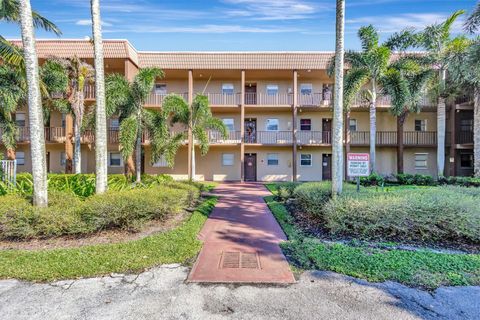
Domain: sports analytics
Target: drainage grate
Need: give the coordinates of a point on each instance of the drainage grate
(236, 260)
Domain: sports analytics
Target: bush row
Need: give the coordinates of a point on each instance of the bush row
(68, 214)
(431, 215)
(376, 179)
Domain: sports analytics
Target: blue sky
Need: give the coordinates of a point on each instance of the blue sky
(242, 25)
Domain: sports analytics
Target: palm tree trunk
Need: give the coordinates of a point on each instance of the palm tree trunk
(68, 143)
(138, 159)
(77, 154)
(35, 112)
(373, 126)
(11, 154)
(476, 132)
(101, 158)
(337, 143)
(193, 158)
(400, 148)
(347, 138)
(441, 123)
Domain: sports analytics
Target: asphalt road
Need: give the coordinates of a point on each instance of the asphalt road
(161, 293)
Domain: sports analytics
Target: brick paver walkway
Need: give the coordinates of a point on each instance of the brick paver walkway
(241, 240)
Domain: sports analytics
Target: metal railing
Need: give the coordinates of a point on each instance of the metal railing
(55, 134)
(270, 137)
(222, 99)
(420, 138)
(233, 137)
(389, 138)
(8, 172)
(89, 91)
(464, 137)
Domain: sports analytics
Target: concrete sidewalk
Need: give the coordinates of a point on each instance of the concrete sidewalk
(161, 293)
(241, 240)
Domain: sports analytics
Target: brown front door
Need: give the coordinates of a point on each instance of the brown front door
(327, 131)
(251, 131)
(326, 167)
(251, 93)
(250, 167)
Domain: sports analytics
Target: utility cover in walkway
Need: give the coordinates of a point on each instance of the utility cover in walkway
(241, 240)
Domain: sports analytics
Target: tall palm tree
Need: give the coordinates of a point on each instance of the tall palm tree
(198, 119)
(337, 143)
(79, 74)
(405, 82)
(101, 117)
(437, 41)
(37, 138)
(367, 68)
(128, 100)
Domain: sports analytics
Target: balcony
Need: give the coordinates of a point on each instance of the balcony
(88, 136)
(270, 138)
(233, 137)
(52, 134)
(156, 99)
(389, 138)
(314, 137)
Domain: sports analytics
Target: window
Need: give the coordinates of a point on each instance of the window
(352, 125)
(20, 157)
(306, 88)
(63, 159)
(305, 160)
(115, 159)
(227, 159)
(272, 125)
(420, 125)
(305, 124)
(20, 119)
(466, 160)
(114, 123)
(272, 159)
(229, 123)
(272, 89)
(466, 125)
(160, 88)
(227, 88)
(160, 163)
(421, 160)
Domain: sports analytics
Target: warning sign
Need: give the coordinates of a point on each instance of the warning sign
(358, 164)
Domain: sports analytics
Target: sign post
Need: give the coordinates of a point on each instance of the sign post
(358, 165)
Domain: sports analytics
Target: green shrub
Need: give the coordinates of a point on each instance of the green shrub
(374, 179)
(415, 179)
(460, 181)
(312, 196)
(285, 191)
(429, 215)
(69, 214)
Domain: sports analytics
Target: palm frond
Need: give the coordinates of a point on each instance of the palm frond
(368, 36)
(117, 94)
(395, 85)
(201, 135)
(178, 107)
(472, 24)
(128, 136)
(143, 83)
(11, 54)
(354, 80)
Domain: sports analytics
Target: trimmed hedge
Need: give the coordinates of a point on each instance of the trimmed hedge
(447, 214)
(376, 179)
(68, 214)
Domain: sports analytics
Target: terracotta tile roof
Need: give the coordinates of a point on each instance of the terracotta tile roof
(235, 60)
(115, 49)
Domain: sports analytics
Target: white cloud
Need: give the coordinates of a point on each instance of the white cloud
(88, 22)
(394, 23)
(274, 9)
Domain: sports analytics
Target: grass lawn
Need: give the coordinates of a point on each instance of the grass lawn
(420, 269)
(175, 246)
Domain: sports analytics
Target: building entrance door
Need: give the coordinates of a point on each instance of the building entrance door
(250, 167)
(326, 166)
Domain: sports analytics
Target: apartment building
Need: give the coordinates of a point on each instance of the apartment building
(277, 107)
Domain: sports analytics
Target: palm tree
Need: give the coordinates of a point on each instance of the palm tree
(473, 21)
(367, 67)
(101, 117)
(405, 82)
(337, 143)
(127, 100)
(79, 74)
(198, 119)
(437, 41)
(37, 134)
